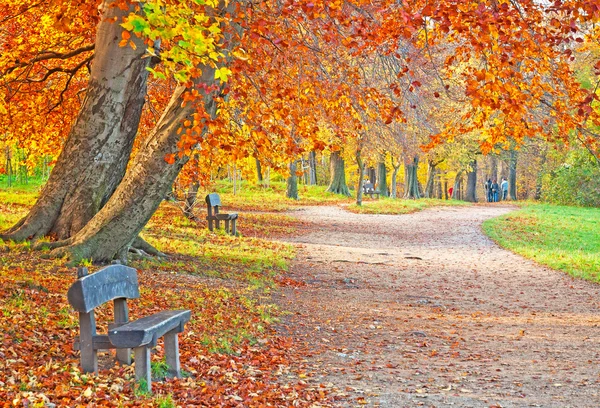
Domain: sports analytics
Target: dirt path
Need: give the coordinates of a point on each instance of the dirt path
(424, 310)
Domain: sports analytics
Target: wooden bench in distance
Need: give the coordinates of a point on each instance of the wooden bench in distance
(368, 189)
(213, 204)
(119, 283)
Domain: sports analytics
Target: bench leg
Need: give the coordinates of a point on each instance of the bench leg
(218, 223)
(210, 224)
(233, 228)
(227, 226)
(87, 330)
(142, 365)
(172, 353)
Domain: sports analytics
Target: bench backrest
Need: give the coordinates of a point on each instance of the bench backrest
(110, 283)
(213, 200)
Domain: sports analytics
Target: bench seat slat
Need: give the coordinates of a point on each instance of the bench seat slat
(145, 330)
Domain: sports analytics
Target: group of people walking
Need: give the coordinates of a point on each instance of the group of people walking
(493, 190)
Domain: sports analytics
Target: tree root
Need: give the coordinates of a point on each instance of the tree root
(140, 244)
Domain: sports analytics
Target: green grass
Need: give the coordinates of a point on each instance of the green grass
(563, 238)
(400, 206)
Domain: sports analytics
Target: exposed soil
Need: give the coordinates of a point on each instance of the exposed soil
(424, 310)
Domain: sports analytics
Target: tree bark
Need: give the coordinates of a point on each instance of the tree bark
(149, 177)
(259, 174)
(312, 162)
(361, 176)
(410, 176)
(471, 194)
(292, 182)
(512, 175)
(456, 193)
(191, 197)
(382, 176)
(95, 155)
(431, 172)
(337, 167)
(394, 186)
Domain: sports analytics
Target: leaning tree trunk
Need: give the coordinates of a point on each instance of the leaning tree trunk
(382, 176)
(410, 179)
(512, 175)
(95, 155)
(113, 230)
(361, 176)
(338, 175)
(471, 194)
(292, 182)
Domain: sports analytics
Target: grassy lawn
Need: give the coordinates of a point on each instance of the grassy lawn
(400, 206)
(563, 238)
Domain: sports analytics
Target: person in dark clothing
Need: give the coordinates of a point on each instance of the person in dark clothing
(495, 188)
(488, 190)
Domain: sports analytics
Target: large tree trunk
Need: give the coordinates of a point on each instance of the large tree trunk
(471, 194)
(95, 155)
(338, 175)
(410, 179)
(361, 176)
(493, 167)
(456, 193)
(259, 174)
(292, 182)
(113, 230)
(512, 175)
(382, 176)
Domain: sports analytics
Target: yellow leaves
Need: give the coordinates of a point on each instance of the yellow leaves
(222, 74)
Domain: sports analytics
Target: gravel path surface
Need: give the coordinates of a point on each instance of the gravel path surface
(424, 310)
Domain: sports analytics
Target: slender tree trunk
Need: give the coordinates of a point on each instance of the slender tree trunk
(431, 172)
(95, 155)
(361, 176)
(493, 167)
(259, 174)
(410, 177)
(191, 197)
(312, 162)
(394, 187)
(471, 194)
(338, 175)
(439, 193)
(457, 186)
(512, 175)
(445, 189)
(382, 176)
(292, 182)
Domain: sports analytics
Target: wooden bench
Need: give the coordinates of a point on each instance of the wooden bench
(119, 283)
(368, 189)
(213, 203)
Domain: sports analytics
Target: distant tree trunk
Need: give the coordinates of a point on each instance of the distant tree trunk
(439, 193)
(538, 181)
(493, 167)
(9, 167)
(372, 175)
(410, 177)
(189, 204)
(471, 194)
(259, 174)
(512, 175)
(312, 174)
(394, 187)
(457, 186)
(292, 182)
(95, 156)
(445, 189)
(431, 172)
(361, 176)
(338, 175)
(382, 176)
